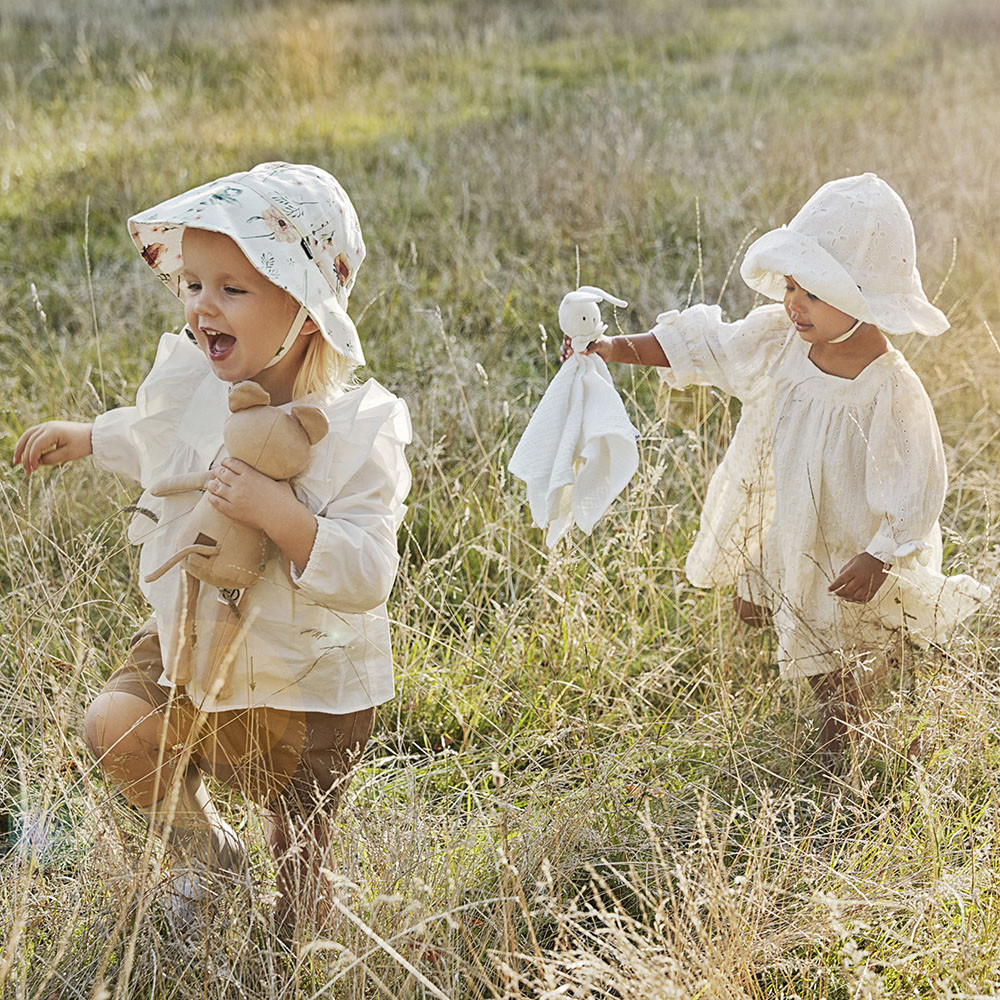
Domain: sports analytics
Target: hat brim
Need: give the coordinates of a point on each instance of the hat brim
(908, 313)
(784, 252)
(278, 252)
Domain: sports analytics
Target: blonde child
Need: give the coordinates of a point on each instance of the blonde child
(263, 262)
(823, 515)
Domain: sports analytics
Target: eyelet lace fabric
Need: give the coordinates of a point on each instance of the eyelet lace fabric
(853, 245)
(820, 469)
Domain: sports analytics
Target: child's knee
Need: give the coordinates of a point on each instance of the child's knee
(751, 614)
(95, 725)
(117, 724)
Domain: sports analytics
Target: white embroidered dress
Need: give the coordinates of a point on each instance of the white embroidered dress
(319, 641)
(820, 469)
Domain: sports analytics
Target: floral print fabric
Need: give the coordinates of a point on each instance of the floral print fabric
(295, 224)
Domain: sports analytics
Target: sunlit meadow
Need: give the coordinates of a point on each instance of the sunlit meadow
(590, 783)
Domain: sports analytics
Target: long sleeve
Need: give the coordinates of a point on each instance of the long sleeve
(705, 350)
(135, 441)
(905, 476)
(354, 558)
(114, 448)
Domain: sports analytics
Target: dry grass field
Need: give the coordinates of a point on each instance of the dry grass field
(591, 783)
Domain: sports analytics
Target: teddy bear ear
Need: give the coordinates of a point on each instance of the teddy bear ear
(313, 421)
(246, 394)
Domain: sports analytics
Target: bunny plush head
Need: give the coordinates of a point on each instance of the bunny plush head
(272, 441)
(580, 315)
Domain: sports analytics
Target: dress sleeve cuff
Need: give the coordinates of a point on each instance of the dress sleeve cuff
(681, 372)
(348, 570)
(111, 442)
(306, 580)
(886, 550)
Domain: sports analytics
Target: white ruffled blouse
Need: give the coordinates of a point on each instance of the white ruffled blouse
(820, 469)
(318, 640)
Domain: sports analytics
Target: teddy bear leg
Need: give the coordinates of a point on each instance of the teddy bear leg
(179, 672)
(226, 634)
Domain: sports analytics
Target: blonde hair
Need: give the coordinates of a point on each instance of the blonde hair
(323, 367)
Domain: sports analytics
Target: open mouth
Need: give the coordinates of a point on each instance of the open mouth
(220, 345)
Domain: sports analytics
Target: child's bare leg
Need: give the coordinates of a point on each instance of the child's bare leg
(140, 750)
(300, 819)
(831, 709)
(844, 700)
(300, 848)
(133, 742)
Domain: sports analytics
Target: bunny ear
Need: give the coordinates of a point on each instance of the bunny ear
(580, 295)
(599, 294)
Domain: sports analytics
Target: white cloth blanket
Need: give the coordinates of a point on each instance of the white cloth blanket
(578, 451)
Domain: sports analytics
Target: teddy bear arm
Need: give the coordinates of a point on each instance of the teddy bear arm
(186, 482)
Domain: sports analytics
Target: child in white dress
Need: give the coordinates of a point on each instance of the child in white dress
(263, 262)
(823, 515)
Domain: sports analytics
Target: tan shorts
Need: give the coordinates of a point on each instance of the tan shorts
(278, 758)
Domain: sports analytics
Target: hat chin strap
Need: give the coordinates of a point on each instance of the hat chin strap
(293, 331)
(836, 340)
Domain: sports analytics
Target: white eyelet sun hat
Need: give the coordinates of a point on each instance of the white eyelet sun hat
(295, 224)
(852, 245)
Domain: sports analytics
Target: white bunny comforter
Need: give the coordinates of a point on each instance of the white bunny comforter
(578, 451)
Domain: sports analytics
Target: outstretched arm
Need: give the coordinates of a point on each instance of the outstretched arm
(627, 349)
(52, 443)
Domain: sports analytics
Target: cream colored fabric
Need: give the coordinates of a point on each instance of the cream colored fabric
(316, 641)
(820, 469)
(853, 245)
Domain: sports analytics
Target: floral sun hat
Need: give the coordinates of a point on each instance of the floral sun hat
(851, 244)
(294, 223)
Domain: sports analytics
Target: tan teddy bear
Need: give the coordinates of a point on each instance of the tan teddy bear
(220, 551)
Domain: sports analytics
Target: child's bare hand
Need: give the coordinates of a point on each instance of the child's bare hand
(860, 579)
(250, 497)
(601, 347)
(241, 492)
(52, 443)
(751, 614)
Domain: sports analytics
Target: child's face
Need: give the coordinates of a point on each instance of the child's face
(816, 321)
(238, 317)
